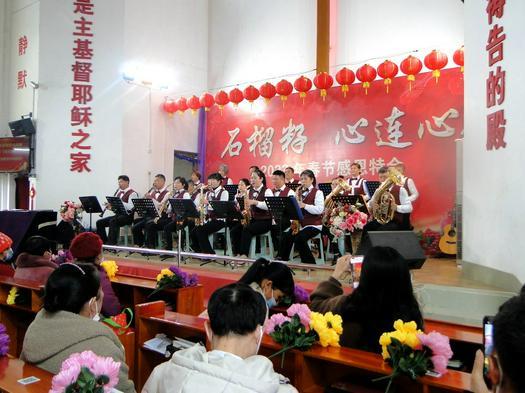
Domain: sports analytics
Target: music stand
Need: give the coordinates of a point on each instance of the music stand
(117, 206)
(352, 200)
(232, 191)
(326, 188)
(182, 208)
(145, 207)
(283, 207)
(90, 205)
(372, 186)
(293, 186)
(226, 209)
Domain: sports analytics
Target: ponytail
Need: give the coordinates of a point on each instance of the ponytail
(278, 273)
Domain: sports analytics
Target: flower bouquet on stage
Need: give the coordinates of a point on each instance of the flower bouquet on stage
(347, 219)
(71, 213)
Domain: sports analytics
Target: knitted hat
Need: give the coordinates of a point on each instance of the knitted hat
(5, 242)
(86, 245)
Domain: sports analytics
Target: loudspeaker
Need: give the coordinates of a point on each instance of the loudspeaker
(22, 127)
(405, 242)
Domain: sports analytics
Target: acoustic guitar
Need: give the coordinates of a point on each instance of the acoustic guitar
(448, 244)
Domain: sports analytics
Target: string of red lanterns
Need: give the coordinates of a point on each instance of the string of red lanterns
(411, 66)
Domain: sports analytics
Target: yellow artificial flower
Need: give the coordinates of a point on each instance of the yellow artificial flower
(111, 268)
(13, 293)
(163, 273)
(335, 322)
(328, 327)
(405, 333)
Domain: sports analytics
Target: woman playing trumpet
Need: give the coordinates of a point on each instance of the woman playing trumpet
(312, 206)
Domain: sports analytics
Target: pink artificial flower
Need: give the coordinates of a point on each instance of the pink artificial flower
(302, 311)
(65, 377)
(274, 321)
(440, 347)
(108, 367)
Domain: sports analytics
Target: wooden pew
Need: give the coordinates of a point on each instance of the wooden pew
(310, 371)
(135, 290)
(12, 370)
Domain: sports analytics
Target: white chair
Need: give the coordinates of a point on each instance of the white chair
(124, 234)
(266, 244)
(228, 251)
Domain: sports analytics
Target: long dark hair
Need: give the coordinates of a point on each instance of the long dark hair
(384, 295)
(278, 273)
(260, 174)
(311, 175)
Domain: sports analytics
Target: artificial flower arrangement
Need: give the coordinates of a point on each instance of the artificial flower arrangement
(300, 295)
(18, 296)
(411, 352)
(300, 328)
(111, 268)
(86, 373)
(173, 277)
(62, 256)
(70, 211)
(346, 219)
(11, 297)
(4, 341)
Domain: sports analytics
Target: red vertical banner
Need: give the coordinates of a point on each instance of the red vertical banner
(417, 127)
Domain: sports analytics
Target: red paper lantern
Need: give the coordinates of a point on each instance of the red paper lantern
(221, 99)
(366, 74)
(170, 107)
(268, 91)
(207, 101)
(302, 85)
(459, 58)
(284, 89)
(182, 104)
(411, 66)
(435, 61)
(251, 93)
(236, 96)
(323, 81)
(194, 104)
(387, 70)
(345, 77)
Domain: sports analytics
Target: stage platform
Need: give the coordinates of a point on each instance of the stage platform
(441, 288)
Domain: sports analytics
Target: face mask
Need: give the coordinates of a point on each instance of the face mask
(96, 317)
(271, 302)
(9, 254)
(259, 341)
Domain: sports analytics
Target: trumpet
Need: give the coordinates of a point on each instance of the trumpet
(296, 225)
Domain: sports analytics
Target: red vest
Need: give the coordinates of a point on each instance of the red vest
(126, 195)
(405, 186)
(160, 197)
(194, 195)
(258, 214)
(402, 219)
(283, 193)
(215, 197)
(358, 189)
(179, 194)
(311, 219)
(224, 181)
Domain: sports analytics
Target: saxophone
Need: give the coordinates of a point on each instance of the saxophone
(202, 208)
(295, 226)
(162, 209)
(384, 206)
(246, 213)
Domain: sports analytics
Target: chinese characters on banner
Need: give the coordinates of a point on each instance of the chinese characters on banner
(22, 74)
(81, 88)
(496, 80)
(417, 128)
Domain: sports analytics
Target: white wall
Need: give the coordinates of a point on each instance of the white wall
(252, 40)
(493, 194)
(386, 28)
(4, 65)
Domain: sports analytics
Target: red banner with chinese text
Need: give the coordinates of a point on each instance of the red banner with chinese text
(14, 154)
(417, 127)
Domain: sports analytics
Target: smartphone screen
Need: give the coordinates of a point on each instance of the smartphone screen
(488, 341)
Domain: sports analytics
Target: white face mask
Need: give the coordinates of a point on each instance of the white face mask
(96, 317)
(260, 340)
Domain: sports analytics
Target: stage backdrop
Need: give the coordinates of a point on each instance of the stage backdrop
(417, 127)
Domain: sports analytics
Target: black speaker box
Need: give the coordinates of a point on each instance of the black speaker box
(405, 242)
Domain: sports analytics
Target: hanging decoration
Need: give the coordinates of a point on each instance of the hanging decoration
(251, 93)
(435, 61)
(221, 99)
(182, 105)
(345, 77)
(207, 101)
(459, 58)
(387, 70)
(366, 74)
(284, 89)
(236, 97)
(170, 107)
(267, 91)
(411, 66)
(303, 85)
(323, 81)
(194, 104)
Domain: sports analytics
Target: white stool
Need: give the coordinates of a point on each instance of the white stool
(228, 251)
(124, 234)
(269, 245)
(320, 260)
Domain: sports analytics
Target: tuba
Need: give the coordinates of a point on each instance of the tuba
(384, 206)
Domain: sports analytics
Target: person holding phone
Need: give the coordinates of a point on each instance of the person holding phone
(504, 342)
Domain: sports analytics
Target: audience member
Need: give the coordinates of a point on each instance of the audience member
(34, 263)
(6, 255)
